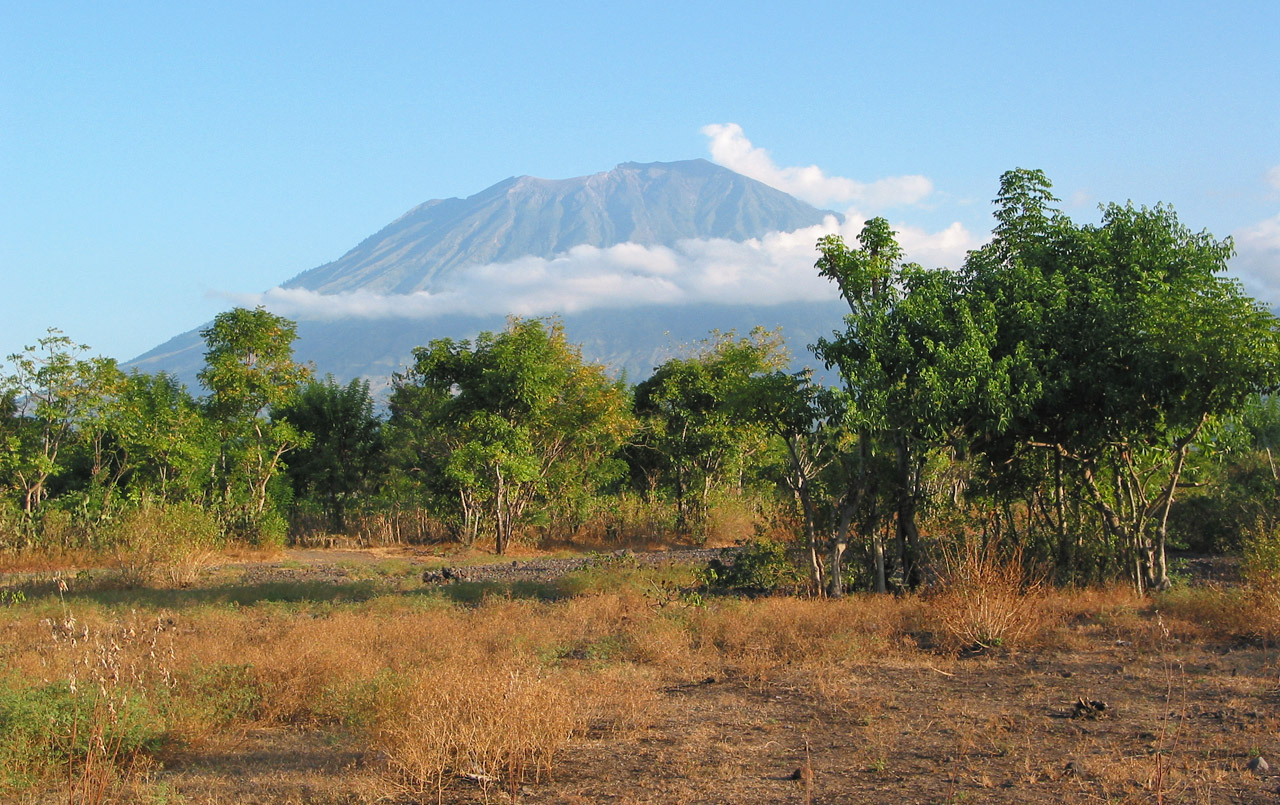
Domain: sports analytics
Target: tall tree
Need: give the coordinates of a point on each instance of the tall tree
(55, 396)
(913, 356)
(249, 370)
(343, 459)
(1117, 344)
(695, 438)
(508, 420)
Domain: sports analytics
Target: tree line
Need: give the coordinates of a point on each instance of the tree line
(1085, 394)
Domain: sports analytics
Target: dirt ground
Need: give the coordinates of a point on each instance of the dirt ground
(1108, 713)
(1103, 718)
(1176, 728)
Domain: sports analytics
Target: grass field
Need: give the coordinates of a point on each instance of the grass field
(341, 677)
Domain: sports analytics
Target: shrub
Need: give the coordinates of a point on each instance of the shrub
(493, 724)
(173, 541)
(759, 567)
(985, 600)
(1262, 577)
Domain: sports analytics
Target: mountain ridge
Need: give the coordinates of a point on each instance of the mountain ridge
(432, 247)
(650, 203)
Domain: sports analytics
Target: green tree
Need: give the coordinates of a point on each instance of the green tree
(158, 441)
(249, 370)
(913, 357)
(695, 439)
(55, 396)
(344, 458)
(509, 420)
(1116, 345)
(810, 421)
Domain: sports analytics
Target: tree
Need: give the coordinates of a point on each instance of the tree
(343, 459)
(811, 423)
(912, 358)
(1116, 345)
(249, 370)
(508, 420)
(695, 439)
(55, 396)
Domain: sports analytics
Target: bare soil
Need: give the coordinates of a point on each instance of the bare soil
(1179, 727)
(1108, 711)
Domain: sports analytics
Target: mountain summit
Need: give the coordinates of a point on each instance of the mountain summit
(651, 204)
(439, 245)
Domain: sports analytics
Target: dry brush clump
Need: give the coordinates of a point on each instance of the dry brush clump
(985, 599)
(500, 723)
(171, 543)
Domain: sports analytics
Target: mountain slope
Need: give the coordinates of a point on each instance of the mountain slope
(650, 204)
(435, 245)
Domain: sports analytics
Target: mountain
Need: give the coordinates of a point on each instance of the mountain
(438, 245)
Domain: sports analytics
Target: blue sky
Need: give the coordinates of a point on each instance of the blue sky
(159, 159)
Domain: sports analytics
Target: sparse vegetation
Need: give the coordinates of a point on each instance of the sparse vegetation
(404, 694)
(975, 453)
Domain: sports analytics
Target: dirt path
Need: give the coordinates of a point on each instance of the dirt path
(345, 564)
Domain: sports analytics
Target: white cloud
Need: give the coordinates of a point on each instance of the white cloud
(1257, 260)
(731, 148)
(770, 270)
(946, 248)
(1273, 177)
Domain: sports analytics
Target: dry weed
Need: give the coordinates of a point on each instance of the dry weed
(985, 600)
(492, 724)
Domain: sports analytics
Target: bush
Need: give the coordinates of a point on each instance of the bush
(1262, 577)
(173, 541)
(985, 600)
(498, 724)
(759, 567)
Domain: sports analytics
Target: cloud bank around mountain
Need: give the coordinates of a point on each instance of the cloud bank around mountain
(1257, 260)
(775, 269)
(731, 148)
(771, 270)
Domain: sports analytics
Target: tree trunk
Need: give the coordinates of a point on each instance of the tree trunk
(908, 532)
(839, 544)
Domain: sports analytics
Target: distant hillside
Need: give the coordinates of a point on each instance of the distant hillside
(652, 204)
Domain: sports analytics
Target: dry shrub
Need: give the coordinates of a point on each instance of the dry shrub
(1262, 579)
(500, 722)
(985, 600)
(665, 643)
(172, 542)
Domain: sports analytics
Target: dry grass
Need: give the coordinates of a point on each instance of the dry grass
(985, 599)
(498, 724)
(624, 695)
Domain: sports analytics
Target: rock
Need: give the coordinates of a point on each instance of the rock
(1088, 708)
(1258, 765)
(804, 773)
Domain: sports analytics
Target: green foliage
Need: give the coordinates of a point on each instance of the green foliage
(1114, 346)
(53, 399)
(47, 729)
(343, 462)
(759, 567)
(512, 420)
(249, 371)
(695, 439)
